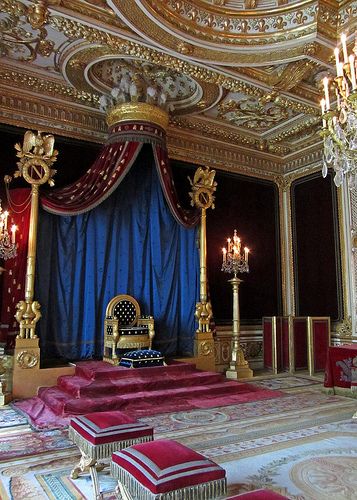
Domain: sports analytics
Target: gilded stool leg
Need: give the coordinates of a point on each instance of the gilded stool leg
(94, 476)
(83, 465)
(122, 493)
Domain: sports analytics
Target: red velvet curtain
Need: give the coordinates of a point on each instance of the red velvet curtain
(15, 269)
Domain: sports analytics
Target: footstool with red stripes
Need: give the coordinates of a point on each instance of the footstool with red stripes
(165, 469)
(99, 434)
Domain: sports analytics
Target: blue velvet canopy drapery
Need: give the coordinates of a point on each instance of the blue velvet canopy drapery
(130, 243)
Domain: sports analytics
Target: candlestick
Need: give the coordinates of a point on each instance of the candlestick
(234, 262)
(7, 244)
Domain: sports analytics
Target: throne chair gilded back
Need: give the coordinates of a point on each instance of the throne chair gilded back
(125, 329)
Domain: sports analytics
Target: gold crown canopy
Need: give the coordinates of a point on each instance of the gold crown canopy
(137, 111)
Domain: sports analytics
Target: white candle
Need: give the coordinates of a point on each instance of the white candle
(340, 69)
(322, 104)
(229, 244)
(6, 215)
(353, 71)
(13, 233)
(246, 252)
(327, 97)
(337, 58)
(224, 250)
(344, 48)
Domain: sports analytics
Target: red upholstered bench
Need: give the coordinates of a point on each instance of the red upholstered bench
(165, 469)
(99, 434)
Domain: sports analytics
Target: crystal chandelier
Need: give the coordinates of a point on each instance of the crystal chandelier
(234, 261)
(8, 246)
(340, 124)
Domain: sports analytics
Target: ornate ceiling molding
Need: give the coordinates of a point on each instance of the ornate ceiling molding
(23, 109)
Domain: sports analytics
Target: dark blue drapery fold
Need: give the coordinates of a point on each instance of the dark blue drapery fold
(128, 244)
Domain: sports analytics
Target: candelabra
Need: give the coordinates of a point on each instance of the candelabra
(340, 124)
(8, 246)
(234, 261)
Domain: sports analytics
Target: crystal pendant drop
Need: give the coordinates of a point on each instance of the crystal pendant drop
(324, 170)
(329, 150)
(338, 179)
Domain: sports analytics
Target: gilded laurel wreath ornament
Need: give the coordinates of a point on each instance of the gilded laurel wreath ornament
(27, 359)
(36, 157)
(203, 187)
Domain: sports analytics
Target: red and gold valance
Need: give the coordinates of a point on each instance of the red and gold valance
(114, 162)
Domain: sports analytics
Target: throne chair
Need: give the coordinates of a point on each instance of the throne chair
(125, 329)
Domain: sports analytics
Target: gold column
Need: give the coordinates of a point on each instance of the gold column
(238, 366)
(286, 246)
(36, 157)
(203, 187)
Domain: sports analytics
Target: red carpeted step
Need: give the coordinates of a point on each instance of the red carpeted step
(80, 387)
(176, 396)
(93, 370)
(54, 398)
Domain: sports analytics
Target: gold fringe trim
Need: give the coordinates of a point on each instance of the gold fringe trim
(100, 451)
(212, 490)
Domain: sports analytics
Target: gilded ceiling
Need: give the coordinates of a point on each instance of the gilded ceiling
(242, 77)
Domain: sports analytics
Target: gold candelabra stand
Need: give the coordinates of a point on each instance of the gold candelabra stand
(202, 196)
(234, 261)
(36, 156)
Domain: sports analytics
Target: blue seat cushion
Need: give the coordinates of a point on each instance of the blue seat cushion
(142, 358)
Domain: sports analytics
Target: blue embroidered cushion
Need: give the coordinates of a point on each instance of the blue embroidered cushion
(143, 358)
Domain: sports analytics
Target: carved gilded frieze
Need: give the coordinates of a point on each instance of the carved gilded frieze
(26, 110)
(49, 87)
(347, 16)
(228, 26)
(147, 27)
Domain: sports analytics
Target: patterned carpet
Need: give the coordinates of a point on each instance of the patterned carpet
(11, 418)
(303, 445)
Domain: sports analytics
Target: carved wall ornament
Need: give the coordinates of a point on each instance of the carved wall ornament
(344, 328)
(185, 48)
(23, 29)
(206, 348)
(27, 359)
(250, 113)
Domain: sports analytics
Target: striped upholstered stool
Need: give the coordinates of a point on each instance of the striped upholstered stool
(99, 434)
(166, 470)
